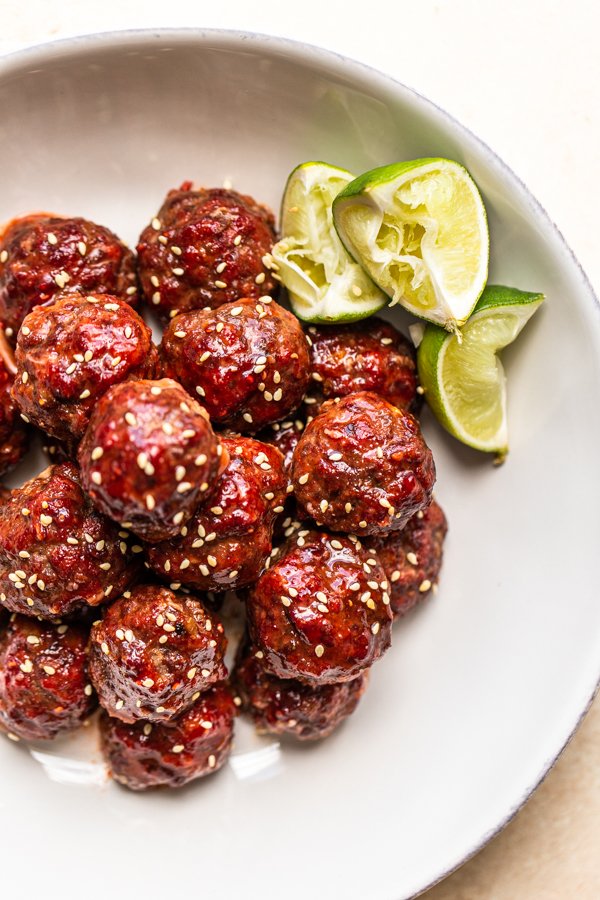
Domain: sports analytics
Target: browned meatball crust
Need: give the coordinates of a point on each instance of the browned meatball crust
(153, 652)
(44, 687)
(247, 361)
(412, 558)
(71, 352)
(284, 706)
(321, 611)
(370, 355)
(143, 755)
(204, 248)
(14, 435)
(228, 540)
(148, 456)
(41, 255)
(362, 466)
(58, 554)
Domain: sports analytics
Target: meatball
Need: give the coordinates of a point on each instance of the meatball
(285, 706)
(228, 541)
(149, 455)
(285, 435)
(68, 355)
(321, 611)
(362, 466)
(412, 558)
(196, 743)
(57, 552)
(247, 361)
(41, 255)
(44, 687)
(206, 247)
(365, 356)
(14, 435)
(153, 653)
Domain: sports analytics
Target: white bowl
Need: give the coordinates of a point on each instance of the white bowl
(485, 683)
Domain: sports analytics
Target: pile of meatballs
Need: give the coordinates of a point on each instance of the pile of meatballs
(245, 454)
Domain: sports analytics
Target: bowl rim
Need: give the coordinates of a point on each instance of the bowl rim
(338, 63)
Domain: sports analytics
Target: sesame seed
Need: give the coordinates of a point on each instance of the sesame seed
(156, 224)
(130, 419)
(191, 673)
(131, 290)
(321, 596)
(420, 390)
(221, 267)
(237, 310)
(348, 507)
(178, 518)
(395, 575)
(96, 477)
(148, 682)
(25, 377)
(206, 724)
(375, 628)
(97, 452)
(150, 502)
(220, 284)
(119, 704)
(25, 330)
(61, 279)
(323, 505)
(362, 523)
(184, 487)
(212, 761)
(237, 240)
(73, 541)
(26, 667)
(70, 369)
(163, 639)
(259, 654)
(45, 520)
(104, 647)
(156, 298)
(425, 585)
(319, 650)
(217, 510)
(412, 558)
(178, 748)
(200, 460)
(176, 250)
(211, 561)
(356, 290)
(115, 362)
(3, 256)
(180, 334)
(167, 428)
(260, 278)
(184, 563)
(147, 728)
(84, 394)
(88, 690)
(286, 601)
(128, 332)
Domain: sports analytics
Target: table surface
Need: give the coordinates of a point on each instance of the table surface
(525, 77)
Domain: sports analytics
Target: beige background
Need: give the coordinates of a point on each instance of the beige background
(525, 76)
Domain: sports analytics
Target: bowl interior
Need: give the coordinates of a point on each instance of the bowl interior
(484, 683)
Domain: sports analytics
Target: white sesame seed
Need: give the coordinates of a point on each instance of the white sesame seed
(425, 585)
(319, 650)
(148, 682)
(104, 647)
(156, 298)
(237, 310)
(221, 284)
(412, 558)
(45, 520)
(191, 673)
(96, 453)
(184, 563)
(375, 628)
(176, 250)
(156, 224)
(119, 704)
(96, 477)
(184, 487)
(260, 278)
(147, 729)
(324, 504)
(150, 502)
(26, 666)
(88, 690)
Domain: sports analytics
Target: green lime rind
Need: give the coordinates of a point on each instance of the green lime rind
(452, 366)
(325, 285)
(425, 248)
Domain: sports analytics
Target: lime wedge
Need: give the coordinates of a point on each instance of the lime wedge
(419, 229)
(323, 281)
(462, 376)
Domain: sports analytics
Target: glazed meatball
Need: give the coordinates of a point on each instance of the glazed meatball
(412, 558)
(41, 255)
(153, 653)
(68, 355)
(228, 541)
(247, 361)
(148, 456)
(362, 466)
(365, 356)
(44, 687)
(321, 611)
(144, 755)
(205, 248)
(285, 706)
(14, 435)
(57, 552)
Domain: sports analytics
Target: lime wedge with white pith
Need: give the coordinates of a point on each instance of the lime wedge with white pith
(462, 376)
(420, 231)
(323, 281)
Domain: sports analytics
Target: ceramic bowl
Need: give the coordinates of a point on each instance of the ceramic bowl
(485, 683)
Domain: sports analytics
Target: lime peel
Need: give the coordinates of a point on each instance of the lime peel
(324, 283)
(465, 383)
(419, 229)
